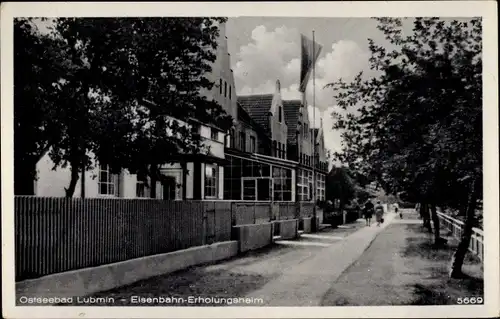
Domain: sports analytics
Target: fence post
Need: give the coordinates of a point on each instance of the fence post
(204, 227)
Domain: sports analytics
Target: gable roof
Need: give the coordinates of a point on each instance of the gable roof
(244, 117)
(292, 114)
(258, 107)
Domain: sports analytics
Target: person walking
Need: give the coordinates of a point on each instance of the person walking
(368, 212)
(396, 210)
(379, 213)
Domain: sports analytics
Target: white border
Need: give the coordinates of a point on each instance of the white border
(485, 9)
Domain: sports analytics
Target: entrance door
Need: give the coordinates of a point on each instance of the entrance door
(169, 188)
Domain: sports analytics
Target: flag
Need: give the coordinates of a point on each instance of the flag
(320, 132)
(310, 53)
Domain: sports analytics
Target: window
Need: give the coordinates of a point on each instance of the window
(252, 144)
(107, 181)
(232, 138)
(225, 88)
(303, 185)
(214, 134)
(140, 186)
(229, 92)
(279, 114)
(220, 86)
(232, 178)
(249, 189)
(243, 141)
(320, 187)
(279, 150)
(275, 149)
(282, 184)
(211, 180)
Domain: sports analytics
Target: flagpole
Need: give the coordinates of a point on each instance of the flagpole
(314, 126)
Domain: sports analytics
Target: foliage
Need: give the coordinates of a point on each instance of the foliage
(340, 185)
(416, 126)
(121, 84)
(36, 61)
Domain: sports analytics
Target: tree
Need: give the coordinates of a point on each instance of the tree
(37, 65)
(340, 185)
(416, 124)
(129, 90)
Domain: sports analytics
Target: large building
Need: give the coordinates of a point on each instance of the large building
(192, 177)
(266, 156)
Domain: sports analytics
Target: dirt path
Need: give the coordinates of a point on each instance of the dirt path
(402, 268)
(236, 277)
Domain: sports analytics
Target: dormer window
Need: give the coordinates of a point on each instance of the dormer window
(225, 88)
(280, 117)
(220, 86)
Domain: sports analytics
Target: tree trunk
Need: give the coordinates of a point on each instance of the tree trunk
(458, 258)
(424, 212)
(75, 171)
(435, 221)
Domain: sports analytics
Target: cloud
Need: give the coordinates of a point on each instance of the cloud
(275, 54)
(266, 58)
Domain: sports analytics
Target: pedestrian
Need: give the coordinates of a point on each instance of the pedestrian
(368, 212)
(379, 213)
(396, 209)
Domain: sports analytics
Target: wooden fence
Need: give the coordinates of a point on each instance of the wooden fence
(262, 212)
(456, 228)
(54, 235)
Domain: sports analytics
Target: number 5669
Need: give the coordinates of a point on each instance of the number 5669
(469, 300)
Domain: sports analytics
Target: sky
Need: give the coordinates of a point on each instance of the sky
(266, 49)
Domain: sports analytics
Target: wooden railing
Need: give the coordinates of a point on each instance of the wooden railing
(456, 227)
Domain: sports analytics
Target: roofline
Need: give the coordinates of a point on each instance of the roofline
(189, 119)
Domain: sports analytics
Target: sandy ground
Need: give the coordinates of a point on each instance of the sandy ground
(236, 277)
(402, 268)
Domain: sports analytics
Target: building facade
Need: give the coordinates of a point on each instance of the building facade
(198, 176)
(267, 155)
(258, 169)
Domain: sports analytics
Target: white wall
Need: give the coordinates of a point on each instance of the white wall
(202, 180)
(51, 183)
(129, 184)
(221, 182)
